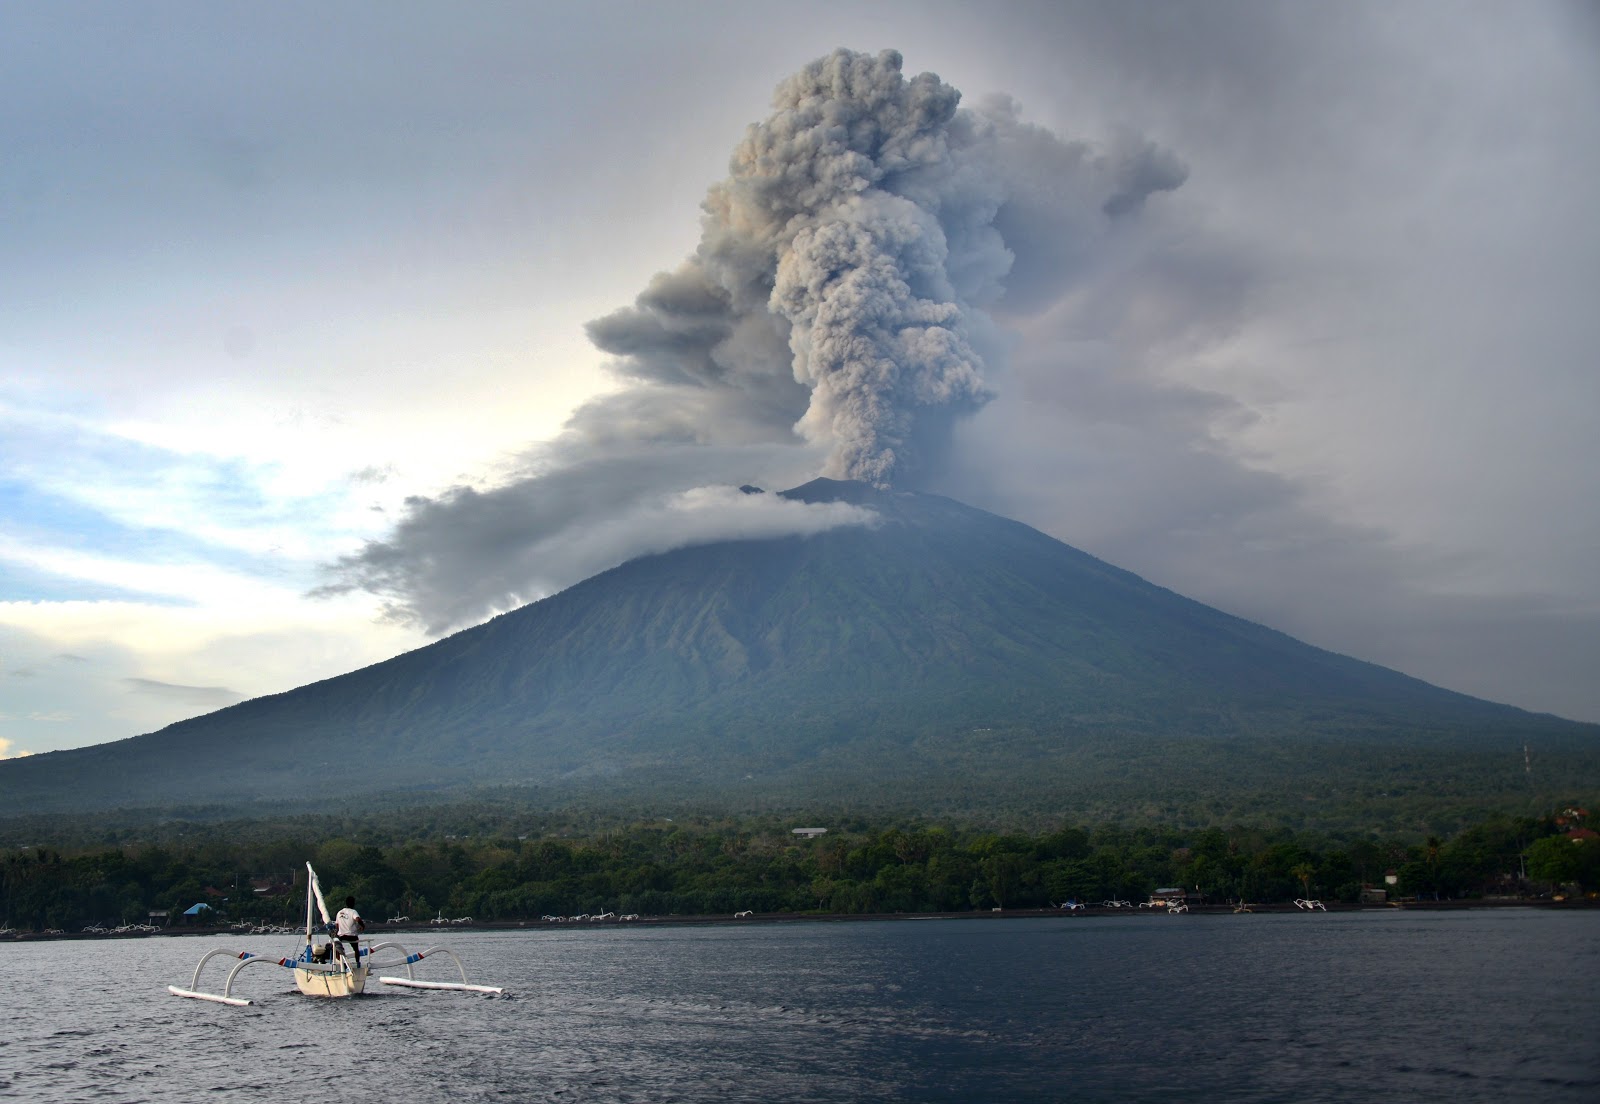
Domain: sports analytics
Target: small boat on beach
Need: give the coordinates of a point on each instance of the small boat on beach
(323, 966)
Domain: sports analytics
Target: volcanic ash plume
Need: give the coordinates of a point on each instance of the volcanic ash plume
(856, 230)
(840, 291)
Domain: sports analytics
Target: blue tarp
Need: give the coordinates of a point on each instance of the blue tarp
(196, 910)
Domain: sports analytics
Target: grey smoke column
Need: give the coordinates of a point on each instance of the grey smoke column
(851, 240)
(832, 318)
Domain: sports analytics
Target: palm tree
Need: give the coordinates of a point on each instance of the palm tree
(1303, 872)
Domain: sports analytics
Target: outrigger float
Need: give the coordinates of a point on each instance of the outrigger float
(322, 968)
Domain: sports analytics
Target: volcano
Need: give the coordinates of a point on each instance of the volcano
(943, 658)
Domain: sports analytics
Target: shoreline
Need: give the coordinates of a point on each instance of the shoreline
(380, 930)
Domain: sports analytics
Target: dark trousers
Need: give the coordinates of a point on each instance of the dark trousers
(352, 949)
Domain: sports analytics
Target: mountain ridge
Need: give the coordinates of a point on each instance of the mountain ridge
(942, 649)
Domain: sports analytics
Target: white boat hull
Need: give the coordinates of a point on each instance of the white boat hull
(318, 982)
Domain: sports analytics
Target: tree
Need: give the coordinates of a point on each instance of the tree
(1561, 859)
(1003, 877)
(1302, 873)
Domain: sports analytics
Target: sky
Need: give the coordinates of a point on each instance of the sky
(327, 329)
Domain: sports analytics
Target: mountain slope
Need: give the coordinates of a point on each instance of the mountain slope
(942, 651)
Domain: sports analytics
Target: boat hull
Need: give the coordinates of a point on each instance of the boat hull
(331, 983)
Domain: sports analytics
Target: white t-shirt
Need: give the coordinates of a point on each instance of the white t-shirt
(349, 921)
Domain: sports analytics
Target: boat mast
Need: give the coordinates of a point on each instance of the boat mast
(310, 875)
(314, 892)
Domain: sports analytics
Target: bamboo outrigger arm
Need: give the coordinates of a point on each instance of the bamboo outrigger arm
(410, 982)
(226, 996)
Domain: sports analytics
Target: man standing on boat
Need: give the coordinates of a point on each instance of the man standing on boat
(350, 926)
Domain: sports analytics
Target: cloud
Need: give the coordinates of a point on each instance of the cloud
(81, 493)
(1308, 395)
(454, 559)
(106, 670)
(6, 747)
(196, 697)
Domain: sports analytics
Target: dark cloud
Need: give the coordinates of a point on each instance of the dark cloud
(372, 474)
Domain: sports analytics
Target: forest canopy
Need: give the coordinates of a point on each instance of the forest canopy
(700, 866)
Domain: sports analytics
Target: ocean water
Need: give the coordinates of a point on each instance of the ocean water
(1492, 1005)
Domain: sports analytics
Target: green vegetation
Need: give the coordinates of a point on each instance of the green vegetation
(507, 869)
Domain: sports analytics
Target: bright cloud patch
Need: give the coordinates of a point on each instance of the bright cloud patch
(144, 584)
(8, 750)
(86, 672)
(72, 483)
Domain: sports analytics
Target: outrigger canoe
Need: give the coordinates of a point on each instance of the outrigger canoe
(322, 966)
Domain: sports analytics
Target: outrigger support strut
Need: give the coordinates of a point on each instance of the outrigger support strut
(226, 996)
(410, 982)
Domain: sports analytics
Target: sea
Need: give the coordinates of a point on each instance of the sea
(1404, 1005)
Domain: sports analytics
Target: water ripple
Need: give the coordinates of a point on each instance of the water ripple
(1257, 1008)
